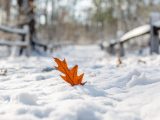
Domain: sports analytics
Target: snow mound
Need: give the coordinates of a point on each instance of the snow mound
(141, 80)
(77, 110)
(27, 98)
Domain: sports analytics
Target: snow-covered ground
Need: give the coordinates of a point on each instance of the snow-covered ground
(32, 90)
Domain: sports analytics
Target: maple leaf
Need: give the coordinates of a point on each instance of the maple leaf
(70, 75)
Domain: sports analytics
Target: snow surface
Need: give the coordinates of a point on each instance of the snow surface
(136, 32)
(30, 89)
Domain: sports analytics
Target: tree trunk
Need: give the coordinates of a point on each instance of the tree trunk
(27, 17)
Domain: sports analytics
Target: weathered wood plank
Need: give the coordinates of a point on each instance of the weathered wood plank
(20, 31)
(139, 31)
(17, 43)
(23, 44)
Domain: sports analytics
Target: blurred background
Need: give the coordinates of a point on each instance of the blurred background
(76, 21)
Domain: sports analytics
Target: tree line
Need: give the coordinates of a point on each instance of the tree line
(57, 21)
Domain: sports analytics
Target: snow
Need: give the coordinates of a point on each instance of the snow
(31, 88)
(136, 32)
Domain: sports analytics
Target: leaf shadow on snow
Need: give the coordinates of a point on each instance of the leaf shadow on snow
(90, 90)
(43, 77)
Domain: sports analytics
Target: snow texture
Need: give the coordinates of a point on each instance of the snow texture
(31, 88)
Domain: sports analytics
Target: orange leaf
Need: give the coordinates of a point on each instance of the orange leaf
(70, 75)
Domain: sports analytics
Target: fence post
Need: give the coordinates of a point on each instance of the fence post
(154, 36)
(122, 53)
(111, 49)
(154, 40)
